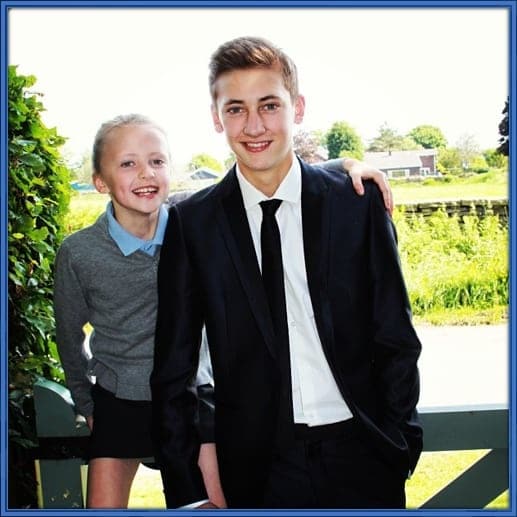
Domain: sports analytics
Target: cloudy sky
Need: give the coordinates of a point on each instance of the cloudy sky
(367, 66)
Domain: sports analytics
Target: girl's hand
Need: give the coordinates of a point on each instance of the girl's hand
(358, 171)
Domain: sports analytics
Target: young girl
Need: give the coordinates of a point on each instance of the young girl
(105, 275)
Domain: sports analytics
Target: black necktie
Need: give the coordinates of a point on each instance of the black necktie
(272, 268)
(273, 280)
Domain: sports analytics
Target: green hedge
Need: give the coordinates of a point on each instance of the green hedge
(38, 191)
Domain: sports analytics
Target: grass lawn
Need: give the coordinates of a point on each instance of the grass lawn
(491, 185)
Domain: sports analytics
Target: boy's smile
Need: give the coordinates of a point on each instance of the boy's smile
(256, 112)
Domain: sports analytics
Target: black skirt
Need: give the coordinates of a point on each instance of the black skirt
(121, 427)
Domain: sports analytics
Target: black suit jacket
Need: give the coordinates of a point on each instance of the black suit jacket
(208, 272)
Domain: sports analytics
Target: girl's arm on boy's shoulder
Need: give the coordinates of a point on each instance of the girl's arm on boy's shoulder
(359, 171)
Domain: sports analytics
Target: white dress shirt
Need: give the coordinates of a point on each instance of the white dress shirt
(316, 397)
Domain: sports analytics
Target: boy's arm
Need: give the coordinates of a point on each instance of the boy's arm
(177, 342)
(396, 345)
(359, 171)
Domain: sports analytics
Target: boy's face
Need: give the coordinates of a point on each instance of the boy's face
(134, 170)
(255, 111)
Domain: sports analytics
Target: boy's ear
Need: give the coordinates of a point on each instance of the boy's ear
(299, 109)
(99, 184)
(215, 118)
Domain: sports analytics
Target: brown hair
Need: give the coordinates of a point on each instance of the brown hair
(132, 119)
(251, 52)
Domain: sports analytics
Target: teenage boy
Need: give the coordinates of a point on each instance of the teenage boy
(315, 369)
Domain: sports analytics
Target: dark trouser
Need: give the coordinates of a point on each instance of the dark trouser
(332, 467)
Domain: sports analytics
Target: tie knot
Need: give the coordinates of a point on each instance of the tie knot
(270, 206)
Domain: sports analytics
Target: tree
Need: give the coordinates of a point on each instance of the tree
(38, 196)
(204, 160)
(478, 163)
(495, 159)
(429, 137)
(504, 142)
(387, 140)
(343, 138)
(408, 144)
(306, 145)
(467, 148)
(449, 160)
(82, 171)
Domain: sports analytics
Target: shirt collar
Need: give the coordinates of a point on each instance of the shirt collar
(129, 243)
(289, 190)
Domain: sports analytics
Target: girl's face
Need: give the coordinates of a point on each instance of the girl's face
(134, 170)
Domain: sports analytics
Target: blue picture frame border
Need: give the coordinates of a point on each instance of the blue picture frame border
(5, 5)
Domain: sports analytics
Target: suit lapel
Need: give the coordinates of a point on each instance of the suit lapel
(316, 237)
(235, 229)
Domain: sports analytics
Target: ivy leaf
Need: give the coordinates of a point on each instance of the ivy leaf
(39, 181)
(33, 161)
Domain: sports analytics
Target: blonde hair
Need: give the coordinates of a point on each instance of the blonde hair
(118, 121)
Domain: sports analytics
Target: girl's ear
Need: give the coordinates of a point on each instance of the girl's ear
(99, 184)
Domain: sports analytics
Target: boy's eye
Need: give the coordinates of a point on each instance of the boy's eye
(270, 106)
(234, 110)
(158, 162)
(128, 163)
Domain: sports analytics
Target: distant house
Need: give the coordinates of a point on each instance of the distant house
(405, 164)
(204, 173)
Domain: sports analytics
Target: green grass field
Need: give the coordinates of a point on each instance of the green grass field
(491, 185)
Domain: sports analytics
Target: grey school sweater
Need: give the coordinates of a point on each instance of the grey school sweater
(94, 282)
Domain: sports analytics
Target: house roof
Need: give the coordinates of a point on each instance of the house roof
(397, 159)
(203, 173)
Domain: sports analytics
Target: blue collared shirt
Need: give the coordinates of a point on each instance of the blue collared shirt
(129, 243)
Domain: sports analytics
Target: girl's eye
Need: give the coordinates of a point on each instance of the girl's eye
(158, 162)
(128, 163)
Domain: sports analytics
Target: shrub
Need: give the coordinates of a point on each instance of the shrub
(452, 263)
(38, 198)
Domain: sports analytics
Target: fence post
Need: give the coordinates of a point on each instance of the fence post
(62, 447)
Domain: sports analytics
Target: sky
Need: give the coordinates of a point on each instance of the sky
(448, 67)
